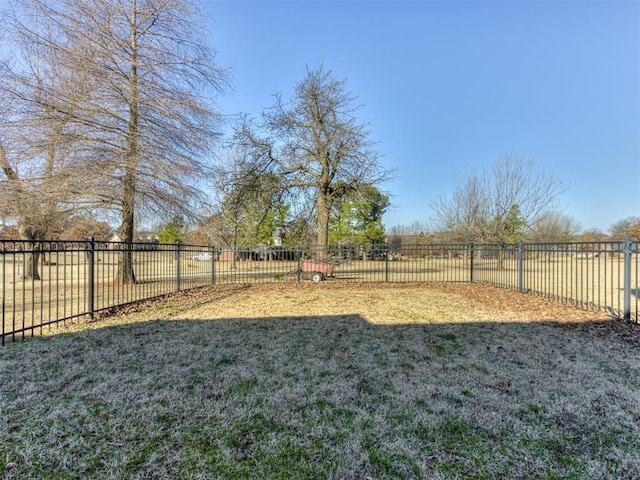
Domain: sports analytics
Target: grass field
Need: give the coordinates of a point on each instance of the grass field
(327, 381)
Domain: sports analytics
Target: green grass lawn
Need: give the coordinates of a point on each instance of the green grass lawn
(324, 383)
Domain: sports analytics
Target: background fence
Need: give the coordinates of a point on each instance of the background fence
(49, 283)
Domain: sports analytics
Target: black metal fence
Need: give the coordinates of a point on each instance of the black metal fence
(589, 275)
(50, 283)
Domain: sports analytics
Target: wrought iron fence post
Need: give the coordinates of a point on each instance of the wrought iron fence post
(627, 279)
(213, 264)
(386, 264)
(4, 280)
(91, 276)
(298, 270)
(520, 266)
(178, 265)
(471, 262)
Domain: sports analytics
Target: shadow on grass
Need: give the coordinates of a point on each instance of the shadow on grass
(319, 397)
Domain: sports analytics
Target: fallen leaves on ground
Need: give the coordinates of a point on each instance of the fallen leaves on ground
(526, 307)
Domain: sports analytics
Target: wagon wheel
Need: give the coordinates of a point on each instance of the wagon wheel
(317, 277)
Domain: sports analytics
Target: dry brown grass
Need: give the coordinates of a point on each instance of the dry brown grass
(63, 293)
(327, 381)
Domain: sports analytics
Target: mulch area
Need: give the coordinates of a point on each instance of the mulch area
(489, 297)
(593, 322)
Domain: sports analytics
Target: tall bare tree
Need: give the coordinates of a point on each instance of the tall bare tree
(316, 144)
(497, 204)
(148, 124)
(40, 173)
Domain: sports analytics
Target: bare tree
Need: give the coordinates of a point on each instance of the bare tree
(80, 227)
(554, 227)
(625, 227)
(210, 230)
(634, 231)
(497, 204)
(147, 127)
(592, 235)
(37, 130)
(414, 228)
(315, 144)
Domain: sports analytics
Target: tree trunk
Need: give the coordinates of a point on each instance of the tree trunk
(232, 259)
(323, 205)
(31, 262)
(126, 272)
(31, 259)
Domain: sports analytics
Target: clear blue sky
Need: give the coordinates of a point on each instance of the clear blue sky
(452, 85)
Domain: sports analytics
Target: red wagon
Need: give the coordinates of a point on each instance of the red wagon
(318, 270)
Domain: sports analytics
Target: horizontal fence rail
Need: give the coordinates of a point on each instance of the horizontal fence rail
(51, 283)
